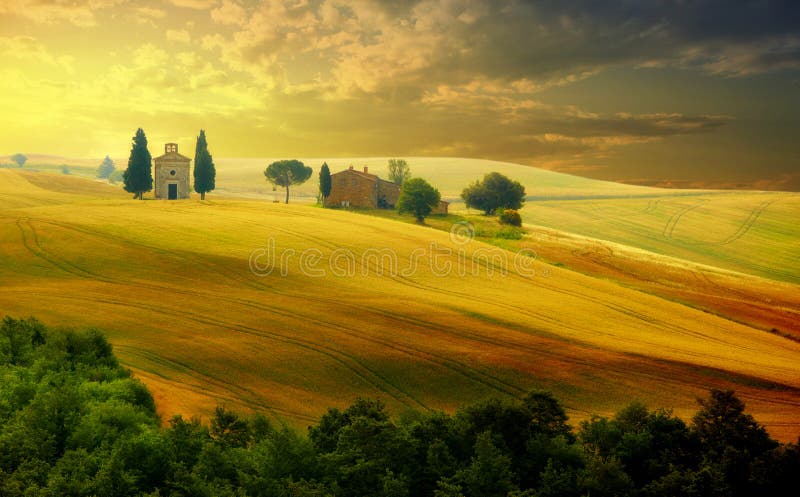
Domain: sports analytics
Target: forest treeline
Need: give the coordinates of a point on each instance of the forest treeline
(73, 422)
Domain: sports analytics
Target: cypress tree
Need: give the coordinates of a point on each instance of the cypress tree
(204, 172)
(324, 182)
(138, 176)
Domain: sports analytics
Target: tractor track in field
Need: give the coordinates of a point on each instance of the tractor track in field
(621, 371)
(473, 374)
(330, 352)
(238, 393)
(527, 312)
(669, 228)
(652, 206)
(461, 295)
(744, 228)
(414, 352)
(357, 369)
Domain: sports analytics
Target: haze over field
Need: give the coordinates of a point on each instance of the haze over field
(689, 94)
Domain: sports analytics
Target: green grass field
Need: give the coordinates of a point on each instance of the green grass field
(754, 233)
(171, 283)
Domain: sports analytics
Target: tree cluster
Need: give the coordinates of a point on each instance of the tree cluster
(74, 423)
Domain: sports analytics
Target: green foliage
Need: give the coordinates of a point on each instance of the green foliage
(489, 472)
(418, 197)
(509, 233)
(138, 177)
(399, 171)
(510, 216)
(20, 159)
(285, 173)
(73, 422)
(495, 191)
(228, 429)
(204, 171)
(324, 181)
(105, 168)
(18, 338)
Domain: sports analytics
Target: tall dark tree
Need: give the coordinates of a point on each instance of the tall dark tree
(138, 176)
(418, 197)
(20, 159)
(204, 171)
(106, 168)
(495, 191)
(398, 171)
(285, 173)
(324, 181)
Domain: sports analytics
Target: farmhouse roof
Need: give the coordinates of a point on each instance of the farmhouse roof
(365, 174)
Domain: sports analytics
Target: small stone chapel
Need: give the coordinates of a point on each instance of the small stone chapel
(172, 174)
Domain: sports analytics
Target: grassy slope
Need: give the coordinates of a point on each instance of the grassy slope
(755, 233)
(170, 282)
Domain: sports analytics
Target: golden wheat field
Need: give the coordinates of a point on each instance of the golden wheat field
(357, 305)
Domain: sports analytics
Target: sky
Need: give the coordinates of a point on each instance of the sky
(680, 92)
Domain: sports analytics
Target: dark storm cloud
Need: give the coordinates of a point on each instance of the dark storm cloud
(540, 39)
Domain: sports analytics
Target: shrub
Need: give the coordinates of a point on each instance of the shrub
(509, 233)
(510, 216)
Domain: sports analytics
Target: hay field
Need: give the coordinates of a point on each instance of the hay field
(172, 285)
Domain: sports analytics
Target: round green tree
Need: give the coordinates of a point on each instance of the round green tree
(418, 197)
(285, 173)
(204, 171)
(493, 192)
(138, 176)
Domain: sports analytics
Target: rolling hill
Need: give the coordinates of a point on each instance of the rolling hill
(357, 306)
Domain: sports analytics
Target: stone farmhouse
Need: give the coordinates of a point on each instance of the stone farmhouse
(352, 188)
(172, 174)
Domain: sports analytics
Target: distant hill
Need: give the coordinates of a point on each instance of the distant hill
(449, 175)
(245, 177)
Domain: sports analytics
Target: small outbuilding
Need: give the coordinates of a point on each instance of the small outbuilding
(172, 174)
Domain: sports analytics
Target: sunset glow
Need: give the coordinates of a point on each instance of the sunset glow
(644, 91)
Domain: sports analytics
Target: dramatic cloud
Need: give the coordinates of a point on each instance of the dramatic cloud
(489, 78)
